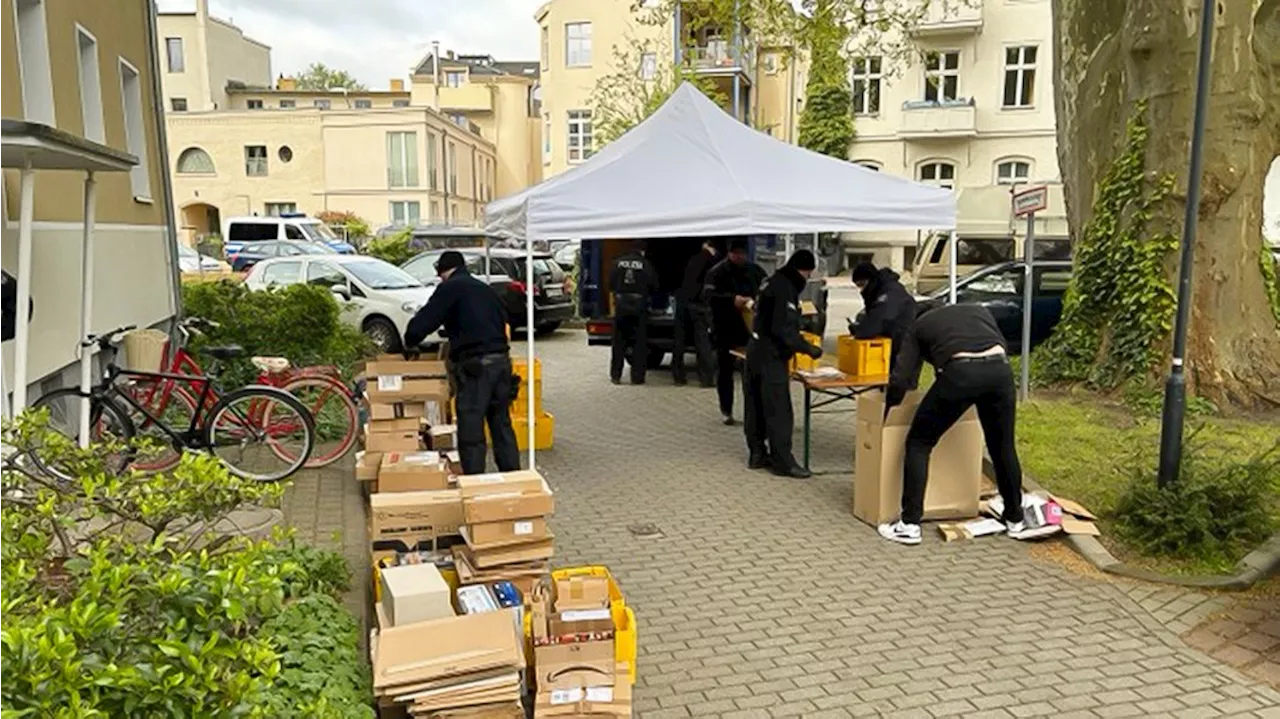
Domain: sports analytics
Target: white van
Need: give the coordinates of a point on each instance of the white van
(236, 231)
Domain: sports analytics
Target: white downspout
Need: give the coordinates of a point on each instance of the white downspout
(22, 332)
(86, 303)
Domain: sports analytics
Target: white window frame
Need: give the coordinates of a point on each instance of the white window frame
(435, 212)
(362, 103)
(292, 104)
(579, 128)
(275, 209)
(1012, 163)
(403, 159)
(35, 67)
(648, 66)
(870, 77)
(173, 104)
(938, 181)
(455, 78)
(252, 163)
(177, 165)
(578, 55)
(404, 214)
(90, 74)
(135, 130)
(170, 65)
(322, 103)
(941, 74)
(546, 138)
(1020, 69)
(545, 50)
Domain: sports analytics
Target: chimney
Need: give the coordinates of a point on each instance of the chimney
(202, 9)
(287, 84)
(397, 85)
(448, 54)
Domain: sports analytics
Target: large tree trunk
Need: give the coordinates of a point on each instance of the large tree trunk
(1113, 53)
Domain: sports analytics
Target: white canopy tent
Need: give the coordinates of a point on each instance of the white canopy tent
(692, 170)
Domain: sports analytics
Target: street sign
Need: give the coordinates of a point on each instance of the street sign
(1030, 200)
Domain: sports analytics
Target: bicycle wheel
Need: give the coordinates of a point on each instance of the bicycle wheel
(334, 412)
(260, 433)
(174, 407)
(107, 422)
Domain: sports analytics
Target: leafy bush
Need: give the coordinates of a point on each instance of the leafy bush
(121, 601)
(355, 226)
(300, 322)
(1219, 509)
(395, 249)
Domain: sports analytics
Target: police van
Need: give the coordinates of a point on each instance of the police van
(237, 231)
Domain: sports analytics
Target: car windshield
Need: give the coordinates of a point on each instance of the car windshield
(964, 281)
(380, 275)
(318, 232)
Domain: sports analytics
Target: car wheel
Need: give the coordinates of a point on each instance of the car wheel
(548, 328)
(383, 333)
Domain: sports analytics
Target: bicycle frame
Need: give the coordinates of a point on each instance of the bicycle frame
(190, 438)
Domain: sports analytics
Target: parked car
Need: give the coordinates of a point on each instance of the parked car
(566, 255)
(552, 302)
(932, 264)
(239, 231)
(191, 261)
(251, 253)
(999, 287)
(376, 296)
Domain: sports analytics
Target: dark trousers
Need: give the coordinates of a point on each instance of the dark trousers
(768, 417)
(726, 363)
(988, 385)
(484, 394)
(695, 319)
(630, 330)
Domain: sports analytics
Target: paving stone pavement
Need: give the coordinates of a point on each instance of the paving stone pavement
(764, 597)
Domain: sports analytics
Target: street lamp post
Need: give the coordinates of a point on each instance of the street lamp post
(1175, 389)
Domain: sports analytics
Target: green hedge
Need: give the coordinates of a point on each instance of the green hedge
(300, 322)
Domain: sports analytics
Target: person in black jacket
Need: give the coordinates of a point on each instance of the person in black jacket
(632, 282)
(731, 287)
(967, 349)
(475, 322)
(890, 308)
(775, 339)
(694, 316)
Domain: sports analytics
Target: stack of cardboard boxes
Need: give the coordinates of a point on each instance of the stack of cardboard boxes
(505, 528)
(577, 671)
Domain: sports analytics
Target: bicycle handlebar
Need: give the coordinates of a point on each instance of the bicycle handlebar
(106, 339)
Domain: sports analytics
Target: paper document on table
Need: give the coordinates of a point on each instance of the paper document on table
(821, 373)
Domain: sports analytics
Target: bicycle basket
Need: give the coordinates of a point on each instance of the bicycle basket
(144, 350)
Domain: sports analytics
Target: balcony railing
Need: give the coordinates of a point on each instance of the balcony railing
(949, 18)
(466, 98)
(922, 119)
(722, 56)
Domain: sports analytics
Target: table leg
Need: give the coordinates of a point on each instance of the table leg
(808, 405)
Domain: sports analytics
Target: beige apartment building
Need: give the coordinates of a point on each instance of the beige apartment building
(579, 40)
(201, 56)
(78, 93)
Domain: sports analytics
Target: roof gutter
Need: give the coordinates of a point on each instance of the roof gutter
(166, 182)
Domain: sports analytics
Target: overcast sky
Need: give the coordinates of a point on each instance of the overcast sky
(377, 40)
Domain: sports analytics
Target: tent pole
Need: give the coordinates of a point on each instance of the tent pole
(951, 266)
(530, 376)
(22, 320)
(86, 303)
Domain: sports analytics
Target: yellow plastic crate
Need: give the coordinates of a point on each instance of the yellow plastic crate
(625, 635)
(803, 361)
(520, 365)
(543, 432)
(865, 360)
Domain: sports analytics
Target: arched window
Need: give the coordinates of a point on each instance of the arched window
(1013, 171)
(869, 164)
(194, 161)
(939, 173)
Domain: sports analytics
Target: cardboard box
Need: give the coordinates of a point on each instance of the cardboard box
(443, 437)
(508, 505)
(525, 480)
(397, 424)
(955, 467)
(497, 555)
(367, 464)
(449, 647)
(414, 516)
(574, 664)
(397, 388)
(580, 621)
(397, 441)
(602, 701)
(584, 592)
(396, 410)
(412, 472)
(415, 593)
(390, 365)
(506, 532)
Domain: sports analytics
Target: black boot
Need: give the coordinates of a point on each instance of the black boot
(759, 459)
(793, 471)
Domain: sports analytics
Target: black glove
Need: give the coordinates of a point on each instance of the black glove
(894, 397)
(815, 351)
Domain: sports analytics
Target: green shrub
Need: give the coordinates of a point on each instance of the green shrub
(300, 322)
(121, 601)
(1220, 508)
(394, 249)
(1147, 401)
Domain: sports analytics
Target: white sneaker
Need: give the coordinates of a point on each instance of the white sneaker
(1015, 528)
(900, 532)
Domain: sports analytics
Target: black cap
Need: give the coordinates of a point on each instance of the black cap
(738, 244)
(864, 272)
(450, 260)
(802, 260)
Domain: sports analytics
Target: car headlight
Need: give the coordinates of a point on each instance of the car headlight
(411, 307)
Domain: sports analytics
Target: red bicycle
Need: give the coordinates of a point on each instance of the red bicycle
(320, 390)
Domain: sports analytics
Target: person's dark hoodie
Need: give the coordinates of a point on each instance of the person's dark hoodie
(890, 310)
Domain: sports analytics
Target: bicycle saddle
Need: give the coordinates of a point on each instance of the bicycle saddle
(270, 365)
(224, 352)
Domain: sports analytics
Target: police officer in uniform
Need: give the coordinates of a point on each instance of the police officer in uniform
(693, 315)
(890, 308)
(475, 322)
(775, 338)
(632, 282)
(730, 286)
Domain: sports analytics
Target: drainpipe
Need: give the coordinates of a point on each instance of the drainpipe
(435, 60)
(475, 187)
(444, 155)
(166, 182)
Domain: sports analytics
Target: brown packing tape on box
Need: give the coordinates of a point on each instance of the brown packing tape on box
(955, 466)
